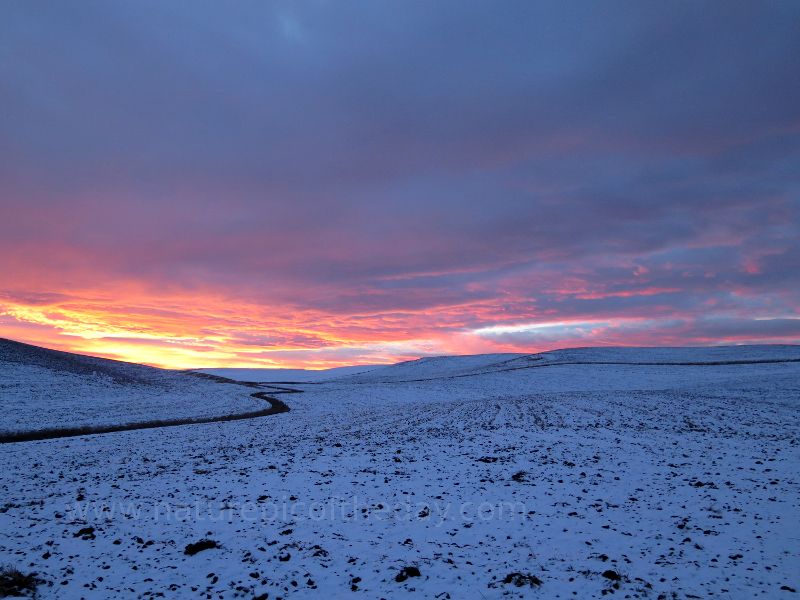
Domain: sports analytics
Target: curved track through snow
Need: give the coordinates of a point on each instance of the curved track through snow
(276, 406)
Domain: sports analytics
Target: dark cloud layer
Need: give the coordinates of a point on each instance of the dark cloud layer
(478, 163)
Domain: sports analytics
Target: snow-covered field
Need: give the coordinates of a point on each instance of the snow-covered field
(42, 389)
(287, 375)
(484, 478)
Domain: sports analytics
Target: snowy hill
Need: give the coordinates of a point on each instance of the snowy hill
(435, 366)
(287, 375)
(680, 355)
(637, 472)
(432, 366)
(468, 366)
(47, 389)
(55, 361)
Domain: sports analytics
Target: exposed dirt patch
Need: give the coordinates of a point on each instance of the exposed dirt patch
(192, 549)
(521, 580)
(15, 583)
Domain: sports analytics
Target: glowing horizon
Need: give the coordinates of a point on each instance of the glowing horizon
(180, 339)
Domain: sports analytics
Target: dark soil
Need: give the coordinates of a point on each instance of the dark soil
(405, 573)
(15, 583)
(192, 549)
(521, 580)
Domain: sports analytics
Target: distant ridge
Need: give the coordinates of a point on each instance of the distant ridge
(447, 367)
(453, 365)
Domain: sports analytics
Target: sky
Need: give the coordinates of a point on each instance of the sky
(314, 184)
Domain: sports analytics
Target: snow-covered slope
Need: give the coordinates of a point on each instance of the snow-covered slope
(434, 366)
(700, 355)
(468, 366)
(575, 480)
(287, 375)
(46, 389)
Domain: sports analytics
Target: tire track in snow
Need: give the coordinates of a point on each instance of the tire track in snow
(276, 406)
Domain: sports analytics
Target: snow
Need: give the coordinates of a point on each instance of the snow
(436, 366)
(287, 375)
(680, 479)
(52, 393)
(675, 355)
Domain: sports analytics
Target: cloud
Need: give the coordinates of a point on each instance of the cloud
(317, 176)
